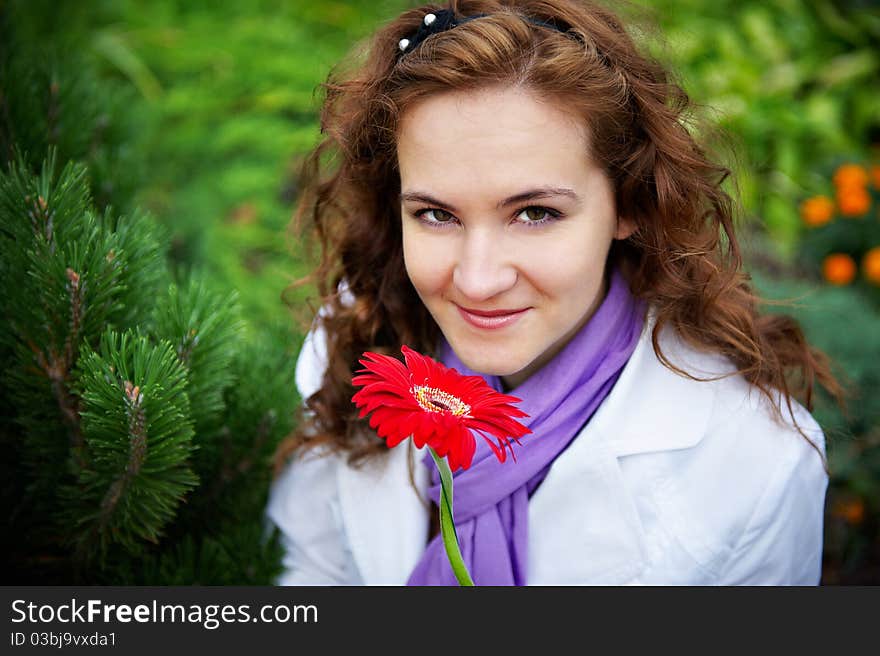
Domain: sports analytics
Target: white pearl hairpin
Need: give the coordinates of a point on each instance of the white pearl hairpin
(403, 44)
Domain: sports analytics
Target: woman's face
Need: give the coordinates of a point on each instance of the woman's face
(507, 223)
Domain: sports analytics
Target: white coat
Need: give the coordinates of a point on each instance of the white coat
(672, 482)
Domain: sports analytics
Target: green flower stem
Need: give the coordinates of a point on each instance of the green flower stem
(447, 525)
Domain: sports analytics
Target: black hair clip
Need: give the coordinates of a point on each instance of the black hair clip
(445, 19)
(434, 23)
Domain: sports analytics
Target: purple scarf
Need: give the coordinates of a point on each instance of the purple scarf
(491, 498)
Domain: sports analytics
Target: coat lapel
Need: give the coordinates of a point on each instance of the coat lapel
(599, 536)
(583, 525)
(652, 408)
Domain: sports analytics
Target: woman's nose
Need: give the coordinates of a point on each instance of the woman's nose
(483, 269)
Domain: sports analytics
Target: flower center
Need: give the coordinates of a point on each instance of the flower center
(432, 399)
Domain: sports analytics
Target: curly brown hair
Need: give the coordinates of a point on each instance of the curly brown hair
(683, 259)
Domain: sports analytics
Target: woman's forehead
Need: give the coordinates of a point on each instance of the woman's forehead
(492, 109)
(503, 139)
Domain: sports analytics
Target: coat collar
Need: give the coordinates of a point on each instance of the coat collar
(650, 409)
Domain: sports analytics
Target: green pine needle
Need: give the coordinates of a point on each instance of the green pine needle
(205, 328)
(138, 436)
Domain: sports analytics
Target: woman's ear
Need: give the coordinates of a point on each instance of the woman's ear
(625, 227)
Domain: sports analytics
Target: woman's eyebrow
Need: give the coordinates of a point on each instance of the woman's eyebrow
(531, 194)
(421, 197)
(540, 192)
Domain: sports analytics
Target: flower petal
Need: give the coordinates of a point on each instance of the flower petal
(386, 394)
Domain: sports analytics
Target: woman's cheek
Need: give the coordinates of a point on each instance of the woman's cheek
(427, 261)
(548, 266)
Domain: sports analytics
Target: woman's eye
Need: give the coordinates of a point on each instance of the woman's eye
(529, 216)
(435, 215)
(537, 215)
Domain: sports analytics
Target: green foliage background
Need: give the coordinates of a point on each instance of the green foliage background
(221, 102)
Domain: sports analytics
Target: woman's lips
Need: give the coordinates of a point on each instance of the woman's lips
(491, 320)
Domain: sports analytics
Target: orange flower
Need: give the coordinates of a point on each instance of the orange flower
(875, 175)
(871, 265)
(853, 201)
(850, 510)
(817, 211)
(850, 175)
(839, 269)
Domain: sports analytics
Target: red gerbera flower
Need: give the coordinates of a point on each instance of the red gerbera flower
(435, 405)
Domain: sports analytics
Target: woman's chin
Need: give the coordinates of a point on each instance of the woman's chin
(490, 365)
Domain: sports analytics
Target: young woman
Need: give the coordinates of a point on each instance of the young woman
(511, 189)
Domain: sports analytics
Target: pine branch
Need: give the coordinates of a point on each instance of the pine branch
(41, 219)
(56, 367)
(185, 348)
(56, 370)
(52, 95)
(74, 284)
(75, 291)
(205, 327)
(137, 431)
